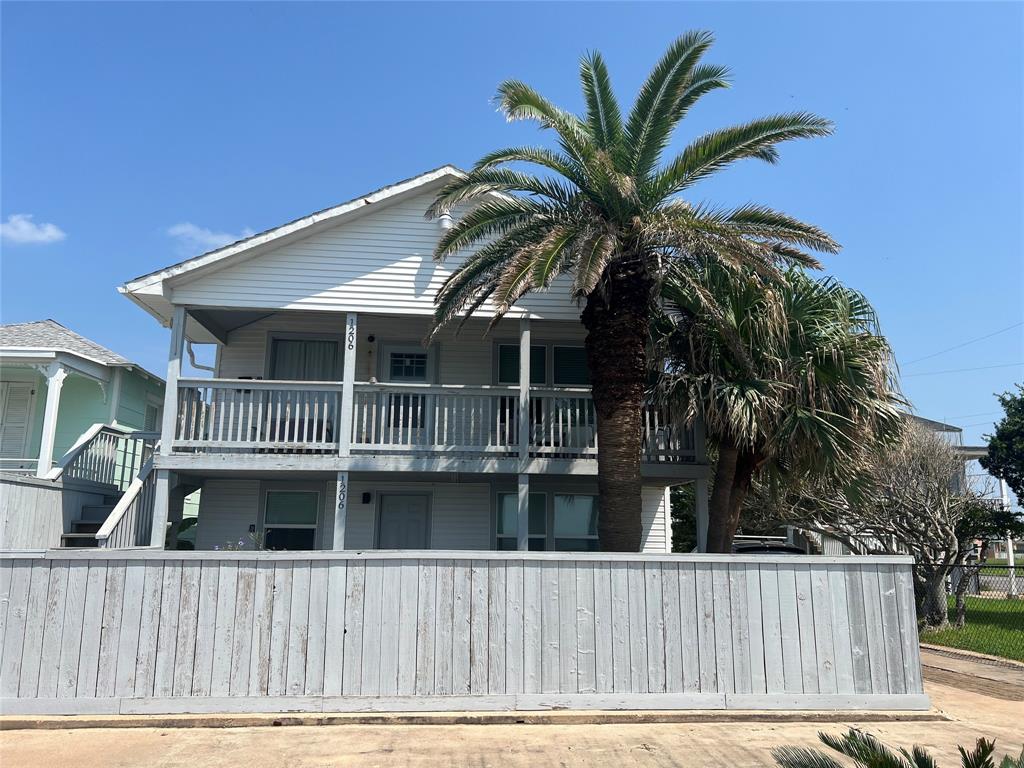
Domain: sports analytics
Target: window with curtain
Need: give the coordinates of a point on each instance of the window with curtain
(305, 360)
(575, 522)
(508, 364)
(508, 521)
(290, 519)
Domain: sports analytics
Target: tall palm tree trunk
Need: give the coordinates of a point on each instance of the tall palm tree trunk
(617, 335)
(733, 477)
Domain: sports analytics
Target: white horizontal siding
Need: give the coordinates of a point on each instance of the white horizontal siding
(381, 261)
(227, 507)
(656, 518)
(460, 513)
(464, 358)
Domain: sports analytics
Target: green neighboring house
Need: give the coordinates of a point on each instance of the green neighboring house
(56, 384)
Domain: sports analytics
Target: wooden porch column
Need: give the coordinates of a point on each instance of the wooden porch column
(348, 382)
(340, 511)
(524, 393)
(523, 519)
(170, 415)
(55, 375)
(162, 492)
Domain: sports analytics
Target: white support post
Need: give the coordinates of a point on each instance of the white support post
(702, 513)
(340, 511)
(162, 490)
(348, 387)
(55, 375)
(161, 508)
(523, 517)
(524, 393)
(1011, 558)
(170, 415)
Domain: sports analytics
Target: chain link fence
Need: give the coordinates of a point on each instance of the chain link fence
(986, 611)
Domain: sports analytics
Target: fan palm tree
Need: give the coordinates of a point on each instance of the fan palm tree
(605, 211)
(793, 376)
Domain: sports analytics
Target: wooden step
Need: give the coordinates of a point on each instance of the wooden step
(96, 512)
(78, 540)
(85, 526)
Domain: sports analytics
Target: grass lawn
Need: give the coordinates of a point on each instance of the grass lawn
(995, 627)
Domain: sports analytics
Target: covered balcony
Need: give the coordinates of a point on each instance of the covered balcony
(404, 419)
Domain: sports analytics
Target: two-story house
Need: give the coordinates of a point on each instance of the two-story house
(328, 423)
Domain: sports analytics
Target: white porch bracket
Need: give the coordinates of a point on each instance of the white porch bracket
(348, 386)
(55, 374)
(340, 511)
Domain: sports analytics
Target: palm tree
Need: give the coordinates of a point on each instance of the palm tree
(603, 210)
(868, 752)
(793, 377)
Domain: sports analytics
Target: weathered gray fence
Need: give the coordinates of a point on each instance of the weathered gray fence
(153, 631)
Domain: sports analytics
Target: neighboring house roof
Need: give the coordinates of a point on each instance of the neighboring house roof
(49, 336)
(934, 426)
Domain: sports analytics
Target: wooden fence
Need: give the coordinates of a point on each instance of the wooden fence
(154, 631)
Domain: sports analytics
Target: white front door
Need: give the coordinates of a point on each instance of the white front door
(404, 520)
(15, 415)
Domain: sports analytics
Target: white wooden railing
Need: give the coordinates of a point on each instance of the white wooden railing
(130, 523)
(263, 415)
(106, 455)
(421, 418)
(402, 419)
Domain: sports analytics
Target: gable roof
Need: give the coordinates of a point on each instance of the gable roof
(242, 249)
(50, 336)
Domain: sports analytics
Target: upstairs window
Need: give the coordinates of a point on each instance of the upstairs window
(508, 364)
(508, 521)
(570, 367)
(305, 360)
(575, 523)
(407, 366)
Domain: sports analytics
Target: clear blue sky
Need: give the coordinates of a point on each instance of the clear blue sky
(125, 122)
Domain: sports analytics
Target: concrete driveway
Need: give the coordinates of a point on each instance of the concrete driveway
(733, 743)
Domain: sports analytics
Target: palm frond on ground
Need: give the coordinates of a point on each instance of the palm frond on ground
(867, 751)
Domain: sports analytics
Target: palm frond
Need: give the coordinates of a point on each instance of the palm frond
(718, 149)
(603, 114)
(655, 111)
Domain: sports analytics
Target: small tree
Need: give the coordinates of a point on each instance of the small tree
(904, 500)
(1005, 458)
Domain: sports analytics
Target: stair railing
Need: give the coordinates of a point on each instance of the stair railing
(106, 455)
(130, 522)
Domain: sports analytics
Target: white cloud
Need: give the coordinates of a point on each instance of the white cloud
(19, 228)
(192, 238)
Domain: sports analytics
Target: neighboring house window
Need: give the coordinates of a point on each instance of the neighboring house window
(569, 366)
(305, 360)
(508, 521)
(290, 519)
(508, 364)
(575, 522)
(152, 421)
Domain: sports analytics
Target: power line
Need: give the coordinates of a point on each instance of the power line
(966, 343)
(963, 370)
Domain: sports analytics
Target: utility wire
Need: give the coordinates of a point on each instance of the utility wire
(966, 343)
(962, 370)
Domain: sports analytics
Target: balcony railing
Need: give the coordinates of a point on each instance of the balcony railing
(404, 419)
